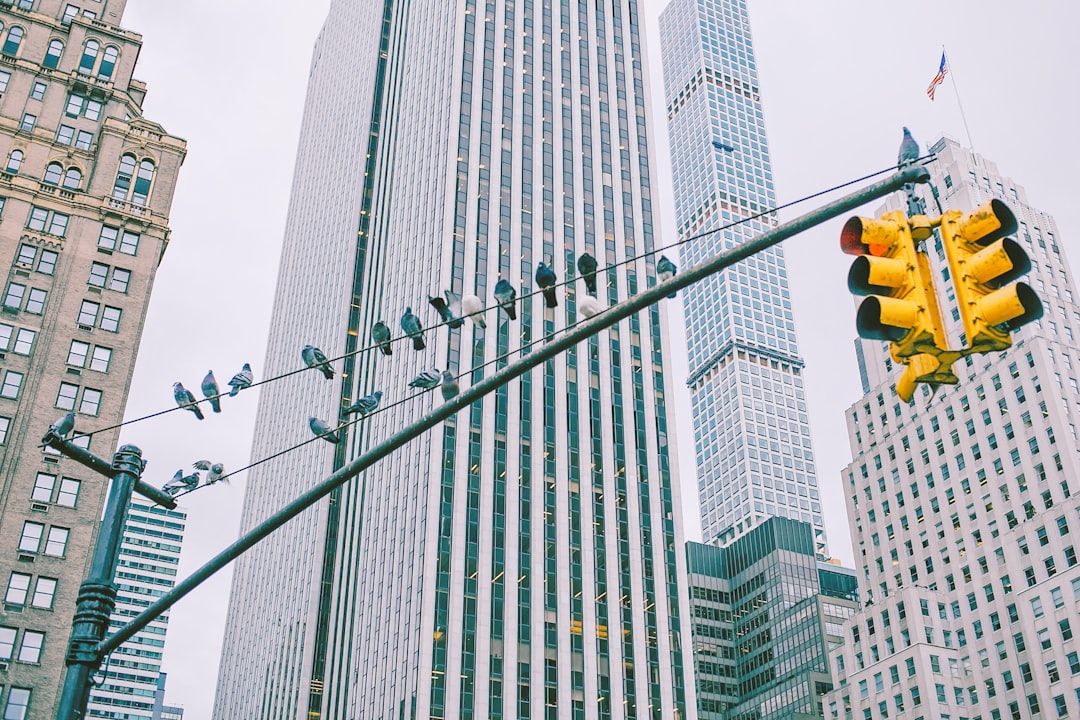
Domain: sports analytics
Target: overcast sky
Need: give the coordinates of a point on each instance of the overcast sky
(838, 80)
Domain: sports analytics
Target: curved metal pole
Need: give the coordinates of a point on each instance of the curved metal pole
(581, 332)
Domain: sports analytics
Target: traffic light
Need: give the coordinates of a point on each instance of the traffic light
(983, 261)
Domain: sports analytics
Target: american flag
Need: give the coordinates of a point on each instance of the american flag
(939, 78)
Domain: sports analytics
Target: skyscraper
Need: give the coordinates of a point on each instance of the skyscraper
(85, 190)
(751, 430)
(149, 556)
(963, 505)
(524, 559)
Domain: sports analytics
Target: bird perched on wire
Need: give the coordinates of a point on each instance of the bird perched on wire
(214, 471)
(909, 150)
(589, 306)
(473, 308)
(180, 482)
(380, 334)
(241, 380)
(314, 358)
(450, 386)
(665, 270)
(185, 399)
(412, 327)
(545, 278)
(321, 429)
(506, 296)
(449, 309)
(426, 380)
(59, 429)
(586, 265)
(211, 392)
(366, 404)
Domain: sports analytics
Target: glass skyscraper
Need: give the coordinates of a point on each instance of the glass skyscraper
(523, 560)
(751, 430)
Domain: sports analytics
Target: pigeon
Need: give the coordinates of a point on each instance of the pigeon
(214, 471)
(180, 481)
(473, 307)
(241, 380)
(323, 430)
(366, 404)
(185, 399)
(453, 306)
(545, 278)
(440, 307)
(314, 358)
(450, 386)
(211, 392)
(665, 269)
(507, 297)
(380, 333)
(589, 306)
(586, 265)
(61, 428)
(909, 150)
(412, 327)
(426, 380)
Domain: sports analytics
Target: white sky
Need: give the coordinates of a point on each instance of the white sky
(838, 80)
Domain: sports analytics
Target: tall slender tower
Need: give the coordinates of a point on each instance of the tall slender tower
(751, 430)
(524, 559)
(964, 505)
(86, 183)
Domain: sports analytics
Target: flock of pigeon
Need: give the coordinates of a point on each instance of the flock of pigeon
(453, 309)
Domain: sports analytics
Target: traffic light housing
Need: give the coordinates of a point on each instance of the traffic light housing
(983, 261)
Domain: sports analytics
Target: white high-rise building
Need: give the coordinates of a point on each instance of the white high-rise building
(524, 559)
(964, 507)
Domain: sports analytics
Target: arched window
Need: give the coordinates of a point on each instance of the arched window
(123, 177)
(73, 178)
(108, 62)
(52, 55)
(89, 56)
(53, 172)
(14, 161)
(142, 183)
(14, 39)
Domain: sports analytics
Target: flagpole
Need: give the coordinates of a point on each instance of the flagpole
(958, 103)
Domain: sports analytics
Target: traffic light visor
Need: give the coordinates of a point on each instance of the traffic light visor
(999, 263)
(863, 236)
(885, 318)
(876, 275)
(987, 223)
(1010, 307)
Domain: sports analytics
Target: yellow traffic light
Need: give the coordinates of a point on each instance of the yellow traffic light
(983, 261)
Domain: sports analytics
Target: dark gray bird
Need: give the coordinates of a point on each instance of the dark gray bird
(241, 380)
(589, 306)
(506, 295)
(546, 279)
(214, 471)
(426, 380)
(586, 266)
(60, 429)
(185, 399)
(412, 327)
(323, 430)
(211, 392)
(909, 150)
(453, 306)
(314, 358)
(180, 481)
(366, 404)
(380, 333)
(450, 386)
(665, 270)
(473, 308)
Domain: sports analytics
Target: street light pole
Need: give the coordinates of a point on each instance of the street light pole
(97, 594)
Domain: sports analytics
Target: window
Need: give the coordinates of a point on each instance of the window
(110, 319)
(65, 398)
(77, 353)
(30, 540)
(14, 161)
(88, 313)
(56, 543)
(120, 280)
(35, 301)
(17, 589)
(69, 492)
(48, 221)
(17, 704)
(89, 56)
(72, 178)
(142, 183)
(91, 402)
(52, 55)
(84, 140)
(69, 13)
(10, 387)
(99, 273)
(101, 358)
(43, 487)
(108, 62)
(44, 592)
(123, 177)
(13, 40)
(30, 649)
(23, 339)
(80, 105)
(5, 78)
(47, 262)
(29, 120)
(37, 92)
(65, 135)
(27, 255)
(53, 172)
(5, 423)
(7, 642)
(14, 296)
(112, 238)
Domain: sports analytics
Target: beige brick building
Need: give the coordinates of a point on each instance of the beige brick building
(86, 184)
